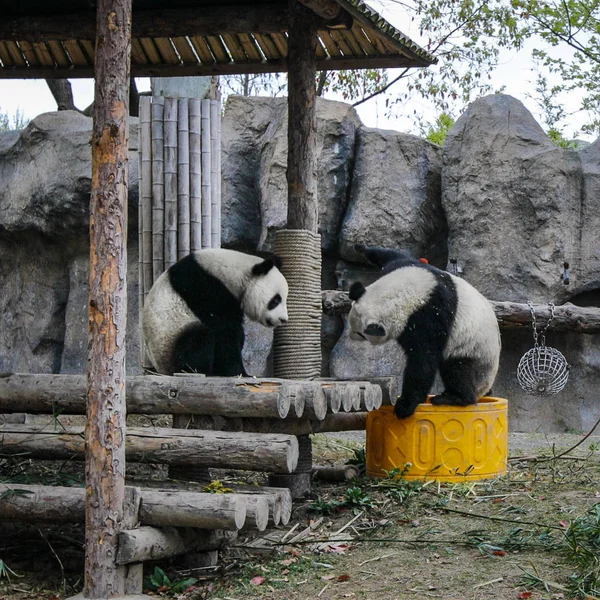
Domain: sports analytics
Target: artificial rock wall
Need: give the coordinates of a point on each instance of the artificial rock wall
(499, 197)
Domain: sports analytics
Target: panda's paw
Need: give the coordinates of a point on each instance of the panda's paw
(402, 410)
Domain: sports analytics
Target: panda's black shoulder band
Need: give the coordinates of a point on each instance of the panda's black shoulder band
(356, 291)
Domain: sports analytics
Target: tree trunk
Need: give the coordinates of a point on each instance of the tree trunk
(105, 434)
(62, 93)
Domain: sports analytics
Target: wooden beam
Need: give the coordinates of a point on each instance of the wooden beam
(328, 9)
(510, 315)
(151, 23)
(105, 433)
(302, 212)
(162, 445)
(162, 394)
(210, 69)
(153, 543)
(161, 508)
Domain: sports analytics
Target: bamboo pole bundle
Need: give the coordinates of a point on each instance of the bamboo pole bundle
(145, 248)
(170, 158)
(195, 174)
(183, 178)
(215, 173)
(206, 186)
(158, 191)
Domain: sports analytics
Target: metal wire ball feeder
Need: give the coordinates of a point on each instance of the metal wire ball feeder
(543, 370)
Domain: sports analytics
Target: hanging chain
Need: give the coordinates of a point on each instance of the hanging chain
(542, 333)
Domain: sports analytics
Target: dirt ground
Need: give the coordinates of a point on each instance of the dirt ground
(375, 539)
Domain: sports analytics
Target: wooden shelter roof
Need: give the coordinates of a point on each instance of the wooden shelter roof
(55, 38)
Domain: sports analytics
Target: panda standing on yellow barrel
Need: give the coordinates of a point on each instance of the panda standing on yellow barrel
(442, 323)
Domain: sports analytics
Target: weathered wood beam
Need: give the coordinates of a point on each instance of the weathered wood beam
(164, 446)
(510, 315)
(335, 473)
(212, 69)
(227, 397)
(107, 315)
(302, 211)
(153, 543)
(328, 9)
(160, 508)
(151, 23)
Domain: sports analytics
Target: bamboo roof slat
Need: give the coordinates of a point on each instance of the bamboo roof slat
(250, 47)
(267, 46)
(16, 54)
(88, 50)
(60, 56)
(235, 48)
(137, 52)
(151, 51)
(281, 43)
(351, 40)
(167, 52)
(29, 53)
(5, 56)
(185, 50)
(339, 39)
(77, 56)
(218, 48)
(202, 50)
(330, 45)
(363, 40)
(43, 54)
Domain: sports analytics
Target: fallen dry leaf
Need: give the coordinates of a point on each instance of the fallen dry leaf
(258, 580)
(343, 577)
(524, 595)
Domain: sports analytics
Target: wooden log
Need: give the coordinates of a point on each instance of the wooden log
(257, 512)
(511, 315)
(351, 421)
(154, 543)
(370, 396)
(195, 115)
(219, 449)
(315, 404)
(105, 434)
(183, 178)
(350, 393)
(335, 473)
(170, 182)
(229, 397)
(334, 401)
(192, 509)
(158, 187)
(161, 508)
(206, 186)
(328, 9)
(278, 499)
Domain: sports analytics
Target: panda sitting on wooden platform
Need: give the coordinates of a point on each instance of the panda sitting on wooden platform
(193, 317)
(442, 323)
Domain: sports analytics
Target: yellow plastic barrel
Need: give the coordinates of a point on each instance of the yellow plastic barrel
(446, 443)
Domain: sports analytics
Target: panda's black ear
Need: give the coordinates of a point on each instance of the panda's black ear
(356, 291)
(276, 261)
(264, 267)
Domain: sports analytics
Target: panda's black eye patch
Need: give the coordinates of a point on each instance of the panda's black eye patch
(274, 302)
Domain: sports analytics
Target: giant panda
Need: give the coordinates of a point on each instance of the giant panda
(442, 323)
(193, 317)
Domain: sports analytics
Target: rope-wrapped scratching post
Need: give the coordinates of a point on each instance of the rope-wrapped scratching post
(297, 345)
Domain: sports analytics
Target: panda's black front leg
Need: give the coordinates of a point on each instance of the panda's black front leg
(228, 351)
(419, 375)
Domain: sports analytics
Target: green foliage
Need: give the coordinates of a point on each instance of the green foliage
(12, 123)
(354, 497)
(162, 584)
(6, 571)
(438, 131)
(217, 487)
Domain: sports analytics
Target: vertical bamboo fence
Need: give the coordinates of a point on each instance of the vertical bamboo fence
(180, 182)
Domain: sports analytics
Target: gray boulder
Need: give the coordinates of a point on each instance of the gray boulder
(513, 202)
(254, 159)
(395, 198)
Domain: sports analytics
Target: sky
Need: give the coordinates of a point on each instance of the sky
(32, 97)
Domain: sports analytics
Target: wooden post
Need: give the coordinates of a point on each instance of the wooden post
(302, 212)
(105, 432)
(302, 120)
